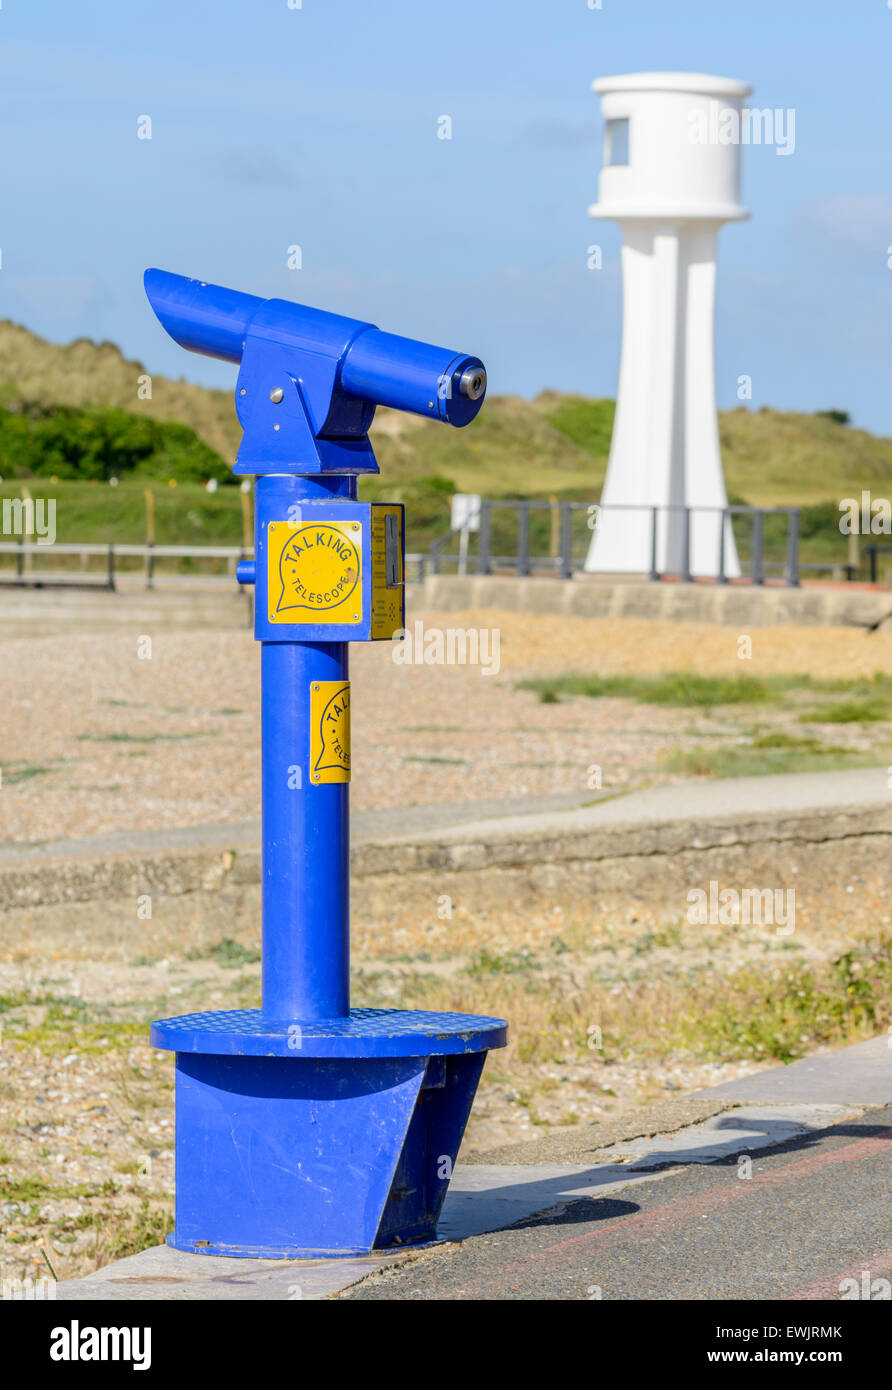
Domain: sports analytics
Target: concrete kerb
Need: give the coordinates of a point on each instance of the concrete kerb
(650, 845)
(587, 597)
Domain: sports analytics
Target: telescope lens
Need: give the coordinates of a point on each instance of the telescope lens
(473, 383)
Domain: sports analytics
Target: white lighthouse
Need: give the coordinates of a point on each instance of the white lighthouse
(671, 178)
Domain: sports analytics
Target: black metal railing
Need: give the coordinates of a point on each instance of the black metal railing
(565, 559)
(100, 563)
(872, 551)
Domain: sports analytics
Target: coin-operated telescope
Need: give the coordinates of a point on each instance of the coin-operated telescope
(305, 1127)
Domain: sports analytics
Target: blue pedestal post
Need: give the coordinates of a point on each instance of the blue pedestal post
(306, 844)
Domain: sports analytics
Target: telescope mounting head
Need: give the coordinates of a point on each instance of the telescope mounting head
(309, 381)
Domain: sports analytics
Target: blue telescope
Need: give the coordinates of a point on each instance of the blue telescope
(304, 367)
(308, 1127)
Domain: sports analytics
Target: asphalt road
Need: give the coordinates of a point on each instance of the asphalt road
(814, 1212)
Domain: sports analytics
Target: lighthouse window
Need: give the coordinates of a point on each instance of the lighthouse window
(616, 149)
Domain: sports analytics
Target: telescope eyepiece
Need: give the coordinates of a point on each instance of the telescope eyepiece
(473, 383)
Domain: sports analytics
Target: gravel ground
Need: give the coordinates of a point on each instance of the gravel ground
(95, 739)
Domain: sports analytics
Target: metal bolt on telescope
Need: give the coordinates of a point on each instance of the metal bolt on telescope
(305, 1127)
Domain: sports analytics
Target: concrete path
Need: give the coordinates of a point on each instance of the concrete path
(563, 814)
(757, 1201)
(397, 821)
(780, 795)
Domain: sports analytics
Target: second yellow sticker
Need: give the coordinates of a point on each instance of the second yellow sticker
(329, 732)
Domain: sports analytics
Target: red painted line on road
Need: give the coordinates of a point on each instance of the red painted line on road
(873, 1265)
(666, 1217)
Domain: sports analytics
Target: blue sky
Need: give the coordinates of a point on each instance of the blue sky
(318, 127)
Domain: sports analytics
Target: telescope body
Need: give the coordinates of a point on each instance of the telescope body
(340, 368)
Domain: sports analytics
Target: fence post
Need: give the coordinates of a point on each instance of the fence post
(793, 548)
(566, 539)
(686, 546)
(150, 538)
(20, 560)
(654, 527)
(523, 539)
(483, 566)
(555, 518)
(28, 532)
(111, 568)
(756, 572)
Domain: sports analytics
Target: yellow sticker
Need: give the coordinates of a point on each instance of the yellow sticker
(387, 575)
(315, 572)
(329, 731)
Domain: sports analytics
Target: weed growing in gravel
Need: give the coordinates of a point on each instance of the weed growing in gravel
(673, 688)
(775, 753)
(62, 1024)
(867, 711)
(779, 1014)
(228, 953)
(122, 1230)
(484, 963)
(690, 688)
(452, 762)
(141, 738)
(776, 1009)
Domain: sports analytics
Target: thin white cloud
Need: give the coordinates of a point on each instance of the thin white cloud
(854, 221)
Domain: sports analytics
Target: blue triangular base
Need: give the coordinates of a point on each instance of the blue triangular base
(295, 1157)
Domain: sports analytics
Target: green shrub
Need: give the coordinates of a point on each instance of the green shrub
(68, 442)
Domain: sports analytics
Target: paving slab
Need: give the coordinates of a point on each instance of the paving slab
(860, 1074)
(161, 1273)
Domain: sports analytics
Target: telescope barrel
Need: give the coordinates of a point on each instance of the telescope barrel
(410, 375)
